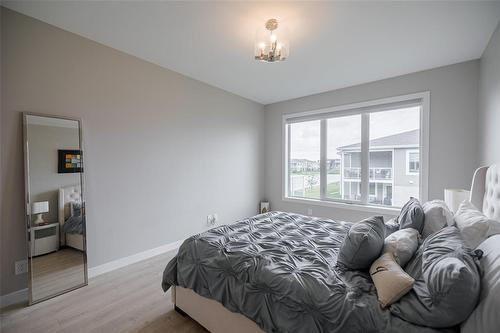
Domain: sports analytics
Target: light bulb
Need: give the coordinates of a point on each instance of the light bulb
(273, 38)
(262, 45)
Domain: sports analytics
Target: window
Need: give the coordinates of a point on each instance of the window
(342, 131)
(412, 162)
(304, 162)
(368, 155)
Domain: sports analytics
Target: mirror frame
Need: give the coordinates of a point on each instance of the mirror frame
(27, 202)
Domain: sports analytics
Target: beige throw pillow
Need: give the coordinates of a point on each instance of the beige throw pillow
(390, 280)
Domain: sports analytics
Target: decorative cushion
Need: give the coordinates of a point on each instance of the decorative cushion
(76, 208)
(363, 243)
(402, 244)
(391, 226)
(414, 266)
(447, 286)
(474, 225)
(437, 215)
(411, 216)
(485, 316)
(391, 281)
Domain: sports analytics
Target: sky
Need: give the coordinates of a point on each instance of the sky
(346, 130)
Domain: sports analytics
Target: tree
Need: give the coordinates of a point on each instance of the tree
(311, 180)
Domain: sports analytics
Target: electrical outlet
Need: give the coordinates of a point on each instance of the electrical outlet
(21, 267)
(212, 219)
(309, 211)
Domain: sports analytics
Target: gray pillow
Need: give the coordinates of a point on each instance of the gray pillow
(437, 215)
(412, 215)
(447, 283)
(76, 208)
(363, 243)
(391, 227)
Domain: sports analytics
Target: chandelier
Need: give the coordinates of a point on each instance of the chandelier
(271, 44)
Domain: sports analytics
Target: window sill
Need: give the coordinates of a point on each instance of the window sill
(342, 205)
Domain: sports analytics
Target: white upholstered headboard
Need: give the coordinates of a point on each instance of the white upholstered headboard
(485, 191)
(67, 195)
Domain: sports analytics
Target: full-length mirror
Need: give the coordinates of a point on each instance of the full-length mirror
(55, 206)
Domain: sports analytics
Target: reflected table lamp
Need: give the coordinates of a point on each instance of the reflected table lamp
(39, 208)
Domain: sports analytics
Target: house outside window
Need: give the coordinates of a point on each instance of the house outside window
(386, 153)
(366, 156)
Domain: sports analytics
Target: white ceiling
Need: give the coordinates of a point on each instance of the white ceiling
(333, 44)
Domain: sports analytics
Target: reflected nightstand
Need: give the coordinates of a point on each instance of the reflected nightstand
(44, 238)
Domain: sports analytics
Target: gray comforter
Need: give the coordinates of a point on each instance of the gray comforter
(279, 270)
(73, 225)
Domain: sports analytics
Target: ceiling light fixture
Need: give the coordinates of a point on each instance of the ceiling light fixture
(271, 44)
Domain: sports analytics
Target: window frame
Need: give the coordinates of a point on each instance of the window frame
(363, 108)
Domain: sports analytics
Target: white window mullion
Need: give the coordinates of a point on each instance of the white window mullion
(365, 157)
(288, 135)
(323, 157)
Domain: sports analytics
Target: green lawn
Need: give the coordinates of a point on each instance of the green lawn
(332, 191)
(306, 173)
(316, 173)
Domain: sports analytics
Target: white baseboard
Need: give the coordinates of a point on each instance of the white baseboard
(16, 297)
(22, 295)
(122, 262)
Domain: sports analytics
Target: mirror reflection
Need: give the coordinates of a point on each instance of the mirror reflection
(55, 206)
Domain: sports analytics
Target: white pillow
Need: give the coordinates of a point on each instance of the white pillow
(437, 216)
(402, 244)
(485, 318)
(474, 226)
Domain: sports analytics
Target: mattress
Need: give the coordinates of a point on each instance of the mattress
(279, 270)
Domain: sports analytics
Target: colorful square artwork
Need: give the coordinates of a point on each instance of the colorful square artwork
(70, 161)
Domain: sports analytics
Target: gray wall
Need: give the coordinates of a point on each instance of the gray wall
(453, 129)
(45, 181)
(489, 102)
(162, 150)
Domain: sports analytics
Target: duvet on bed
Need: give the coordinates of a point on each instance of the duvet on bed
(73, 225)
(279, 270)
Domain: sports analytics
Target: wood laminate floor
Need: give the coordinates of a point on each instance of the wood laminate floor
(126, 300)
(57, 271)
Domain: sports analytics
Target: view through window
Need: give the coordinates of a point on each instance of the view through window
(325, 157)
(394, 136)
(304, 166)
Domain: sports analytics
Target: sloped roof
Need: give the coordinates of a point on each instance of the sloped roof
(410, 138)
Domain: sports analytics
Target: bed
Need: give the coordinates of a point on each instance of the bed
(276, 272)
(279, 271)
(69, 197)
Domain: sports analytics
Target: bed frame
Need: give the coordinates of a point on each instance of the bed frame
(67, 195)
(211, 314)
(216, 318)
(485, 191)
